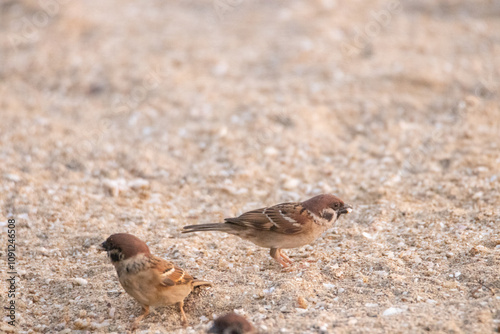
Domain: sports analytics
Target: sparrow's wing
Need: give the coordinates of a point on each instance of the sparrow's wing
(170, 274)
(286, 218)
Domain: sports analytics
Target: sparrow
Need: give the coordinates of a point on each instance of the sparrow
(231, 323)
(152, 281)
(286, 225)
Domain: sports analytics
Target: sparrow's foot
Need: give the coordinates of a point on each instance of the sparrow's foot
(139, 318)
(285, 258)
(184, 321)
(277, 255)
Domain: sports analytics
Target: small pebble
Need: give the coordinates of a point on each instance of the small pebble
(81, 324)
(13, 177)
(271, 151)
(80, 281)
(291, 184)
(392, 311)
(302, 302)
(367, 235)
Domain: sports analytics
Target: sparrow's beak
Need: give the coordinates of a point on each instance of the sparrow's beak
(345, 210)
(102, 247)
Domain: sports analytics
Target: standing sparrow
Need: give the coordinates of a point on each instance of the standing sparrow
(231, 323)
(286, 225)
(151, 280)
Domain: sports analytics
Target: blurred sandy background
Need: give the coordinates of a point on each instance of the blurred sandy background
(145, 116)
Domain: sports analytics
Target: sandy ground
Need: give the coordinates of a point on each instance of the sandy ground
(145, 116)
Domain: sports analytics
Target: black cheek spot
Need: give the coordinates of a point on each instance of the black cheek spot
(328, 216)
(115, 257)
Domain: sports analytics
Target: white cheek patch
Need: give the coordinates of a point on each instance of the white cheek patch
(329, 214)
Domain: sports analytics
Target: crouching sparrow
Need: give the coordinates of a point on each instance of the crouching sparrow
(152, 281)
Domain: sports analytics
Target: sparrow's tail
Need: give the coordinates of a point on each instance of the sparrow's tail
(197, 282)
(221, 227)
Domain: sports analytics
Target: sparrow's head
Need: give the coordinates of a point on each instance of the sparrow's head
(122, 246)
(327, 206)
(231, 323)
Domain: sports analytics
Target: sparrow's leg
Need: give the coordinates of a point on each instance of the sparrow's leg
(285, 258)
(183, 315)
(276, 254)
(139, 318)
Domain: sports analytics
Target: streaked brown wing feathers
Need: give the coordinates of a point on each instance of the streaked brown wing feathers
(171, 274)
(282, 218)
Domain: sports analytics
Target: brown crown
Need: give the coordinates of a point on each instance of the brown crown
(321, 202)
(128, 244)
